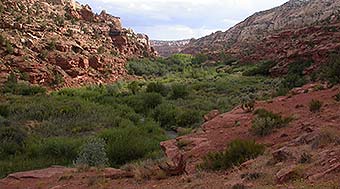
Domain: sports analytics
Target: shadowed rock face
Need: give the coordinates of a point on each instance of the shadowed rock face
(46, 40)
(279, 28)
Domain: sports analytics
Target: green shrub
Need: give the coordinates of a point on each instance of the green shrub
(157, 87)
(134, 87)
(188, 118)
(265, 122)
(101, 50)
(60, 148)
(200, 58)
(57, 80)
(9, 48)
(12, 140)
(51, 45)
(331, 71)
(166, 115)
(22, 89)
(295, 76)
(131, 143)
(2, 40)
(179, 91)
(1, 8)
(237, 152)
(4, 110)
(315, 106)
(93, 154)
(262, 68)
(60, 21)
(145, 67)
(144, 102)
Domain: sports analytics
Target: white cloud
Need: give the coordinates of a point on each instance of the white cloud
(166, 19)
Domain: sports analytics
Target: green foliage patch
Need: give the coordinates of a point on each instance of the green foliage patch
(238, 151)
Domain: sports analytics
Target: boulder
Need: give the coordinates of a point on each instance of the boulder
(286, 174)
(41, 174)
(281, 154)
(86, 13)
(64, 63)
(83, 63)
(94, 62)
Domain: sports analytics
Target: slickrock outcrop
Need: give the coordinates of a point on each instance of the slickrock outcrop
(59, 43)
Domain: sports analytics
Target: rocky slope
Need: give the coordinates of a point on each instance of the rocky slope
(305, 154)
(298, 24)
(62, 43)
(167, 48)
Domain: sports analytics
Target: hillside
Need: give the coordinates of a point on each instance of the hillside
(62, 43)
(167, 48)
(287, 31)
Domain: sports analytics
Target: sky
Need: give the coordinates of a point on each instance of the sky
(180, 19)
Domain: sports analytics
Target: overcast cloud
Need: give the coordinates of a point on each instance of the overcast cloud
(181, 19)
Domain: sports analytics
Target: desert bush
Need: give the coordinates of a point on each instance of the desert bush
(57, 80)
(331, 71)
(4, 110)
(60, 21)
(238, 151)
(188, 118)
(144, 102)
(1, 8)
(131, 143)
(146, 169)
(199, 59)
(92, 154)
(315, 106)
(59, 148)
(9, 48)
(325, 137)
(101, 50)
(12, 140)
(51, 45)
(134, 87)
(179, 91)
(166, 115)
(295, 76)
(265, 122)
(262, 68)
(157, 87)
(145, 67)
(305, 158)
(248, 104)
(22, 89)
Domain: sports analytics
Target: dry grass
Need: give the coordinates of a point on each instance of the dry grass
(146, 170)
(325, 137)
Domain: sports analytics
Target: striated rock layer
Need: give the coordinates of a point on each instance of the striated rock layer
(168, 48)
(62, 43)
(298, 28)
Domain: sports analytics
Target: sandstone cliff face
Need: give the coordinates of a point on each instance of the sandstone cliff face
(243, 39)
(167, 48)
(62, 43)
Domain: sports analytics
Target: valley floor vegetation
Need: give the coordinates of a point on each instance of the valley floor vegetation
(125, 121)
